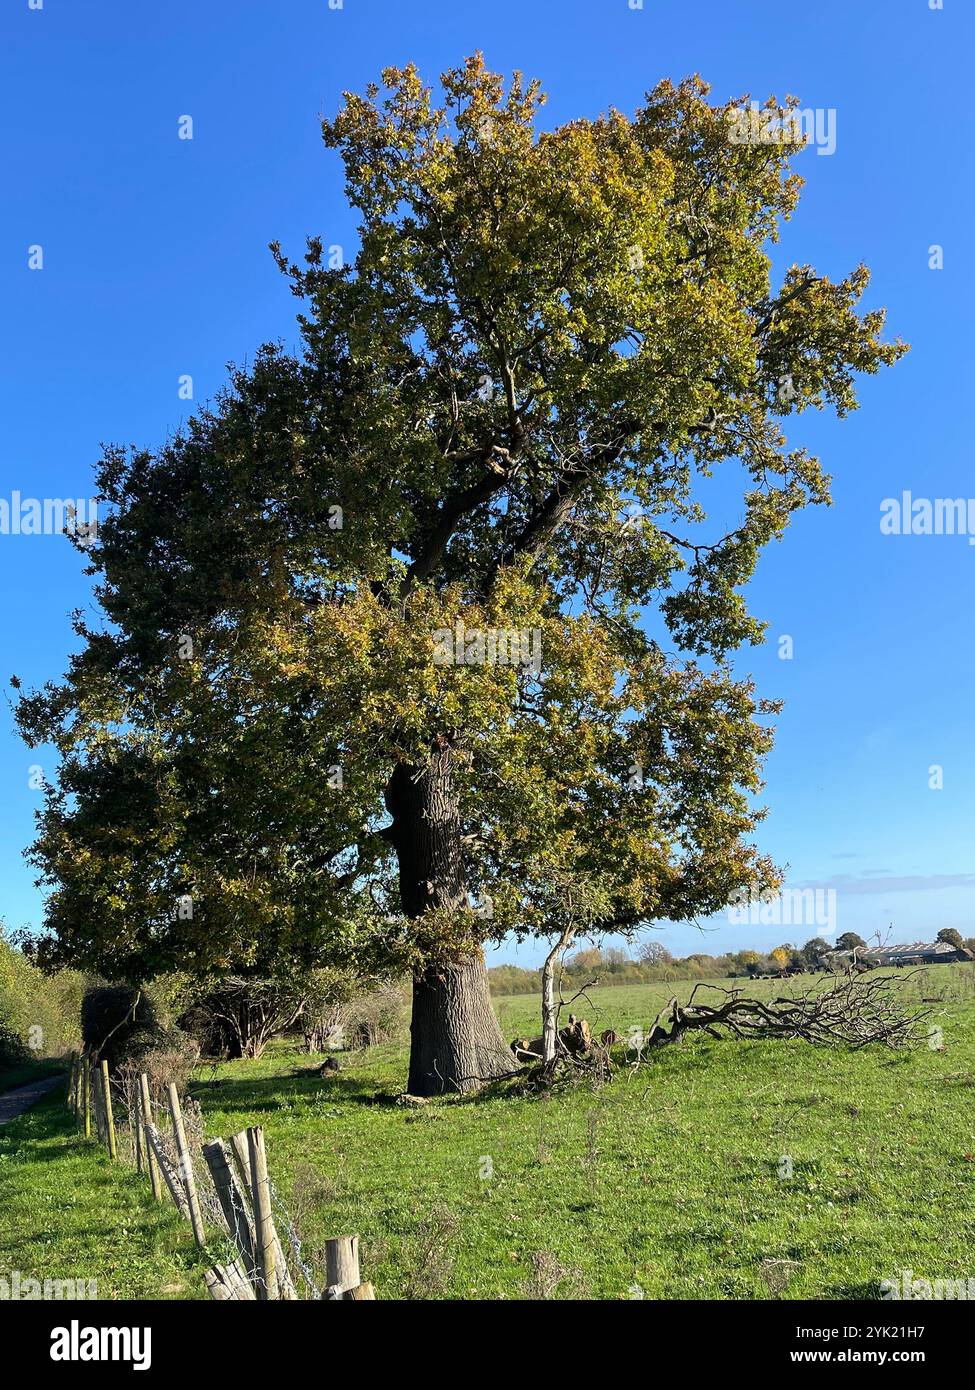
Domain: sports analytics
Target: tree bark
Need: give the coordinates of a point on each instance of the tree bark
(550, 1013)
(456, 1040)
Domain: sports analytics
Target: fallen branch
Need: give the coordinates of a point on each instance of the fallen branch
(857, 1012)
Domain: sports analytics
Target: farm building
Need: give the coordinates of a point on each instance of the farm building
(913, 953)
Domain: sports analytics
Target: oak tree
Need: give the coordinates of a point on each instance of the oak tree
(418, 625)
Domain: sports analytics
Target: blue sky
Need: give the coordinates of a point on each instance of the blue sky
(155, 266)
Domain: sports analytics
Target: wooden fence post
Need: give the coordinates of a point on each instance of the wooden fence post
(86, 1087)
(240, 1147)
(169, 1173)
(94, 1078)
(109, 1116)
(97, 1104)
(233, 1203)
(145, 1117)
(341, 1266)
(263, 1219)
(135, 1124)
(186, 1166)
(242, 1156)
(229, 1283)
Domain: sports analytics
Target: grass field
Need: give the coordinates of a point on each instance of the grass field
(68, 1212)
(667, 1182)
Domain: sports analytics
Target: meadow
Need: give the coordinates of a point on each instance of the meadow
(717, 1170)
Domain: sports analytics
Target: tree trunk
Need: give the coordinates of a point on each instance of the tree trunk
(456, 1040)
(550, 1013)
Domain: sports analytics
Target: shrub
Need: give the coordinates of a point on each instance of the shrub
(13, 1049)
(377, 1016)
(325, 1015)
(115, 1018)
(238, 1015)
(132, 1030)
(165, 1055)
(40, 1010)
(211, 1033)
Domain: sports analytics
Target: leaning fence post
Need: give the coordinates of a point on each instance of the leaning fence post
(109, 1117)
(186, 1166)
(263, 1220)
(176, 1190)
(229, 1283)
(145, 1118)
(242, 1155)
(232, 1202)
(240, 1147)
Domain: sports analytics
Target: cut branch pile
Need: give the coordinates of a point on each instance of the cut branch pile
(858, 1011)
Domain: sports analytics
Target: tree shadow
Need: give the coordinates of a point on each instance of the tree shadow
(277, 1092)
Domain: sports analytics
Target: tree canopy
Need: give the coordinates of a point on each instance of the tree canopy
(468, 517)
(850, 941)
(951, 936)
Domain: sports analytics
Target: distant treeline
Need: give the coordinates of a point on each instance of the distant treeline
(655, 964)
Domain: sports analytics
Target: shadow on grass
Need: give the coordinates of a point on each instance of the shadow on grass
(903, 1059)
(855, 1293)
(280, 1090)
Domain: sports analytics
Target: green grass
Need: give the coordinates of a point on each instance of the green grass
(668, 1178)
(68, 1212)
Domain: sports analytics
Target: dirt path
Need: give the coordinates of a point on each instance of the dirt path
(14, 1103)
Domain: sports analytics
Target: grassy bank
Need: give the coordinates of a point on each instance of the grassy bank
(68, 1212)
(720, 1170)
(24, 1072)
(670, 1180)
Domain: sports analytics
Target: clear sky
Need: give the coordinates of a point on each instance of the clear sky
(155, 267)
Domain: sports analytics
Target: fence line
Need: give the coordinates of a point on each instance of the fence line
(238, 1198)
